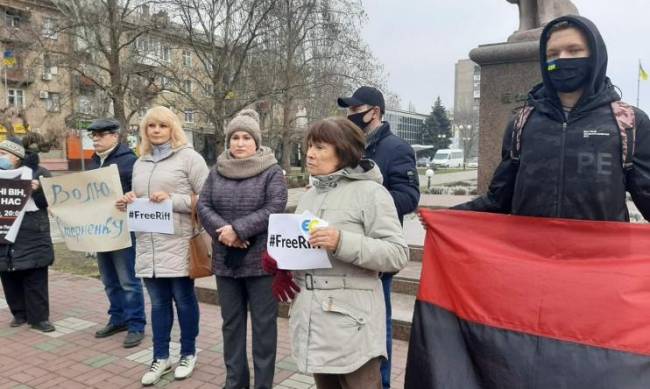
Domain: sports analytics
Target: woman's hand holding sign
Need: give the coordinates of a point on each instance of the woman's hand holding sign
(325, 238)
(158, 197)
(128, 198)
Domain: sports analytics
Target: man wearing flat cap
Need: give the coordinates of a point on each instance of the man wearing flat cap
(117, 268)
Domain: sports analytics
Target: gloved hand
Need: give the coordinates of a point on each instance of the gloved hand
(234, 257)
(269, 264)
(284, 288)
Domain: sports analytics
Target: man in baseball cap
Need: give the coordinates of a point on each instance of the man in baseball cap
(396, 161)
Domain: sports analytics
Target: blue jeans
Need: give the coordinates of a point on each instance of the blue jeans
(161, 292)
(386, 282)
(124, 290)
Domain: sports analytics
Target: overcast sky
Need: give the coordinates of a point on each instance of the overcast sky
(419, 41)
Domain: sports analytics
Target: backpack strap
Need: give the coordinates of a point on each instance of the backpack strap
(521, 117)
(626, 121)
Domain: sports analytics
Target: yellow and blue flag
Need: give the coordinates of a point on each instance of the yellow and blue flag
(643, 75)
(9, 59)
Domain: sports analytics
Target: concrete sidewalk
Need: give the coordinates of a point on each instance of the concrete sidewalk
(72, 358)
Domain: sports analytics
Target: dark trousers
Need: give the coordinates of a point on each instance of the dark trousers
(367, 377)
(235, 295)
(386, 282)
(124, 290)
(26, 294)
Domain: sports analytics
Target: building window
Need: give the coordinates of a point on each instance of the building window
(85, 105)
(53, 102)
(166, 54)
(49, 28)
(143, 111)
(189, 116)
(187, 58)
(142, 44)
(81, 36)
(208, 90)
(187, 86)
(16, 98)
(12, 19)
(165, 83)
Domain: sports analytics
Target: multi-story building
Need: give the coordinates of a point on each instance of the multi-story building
(41, 95)
(467, 97)
(406, 125)
(33, 88)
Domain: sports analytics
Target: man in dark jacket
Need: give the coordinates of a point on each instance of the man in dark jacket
(570, 157)
(117, 268)
(396, 161)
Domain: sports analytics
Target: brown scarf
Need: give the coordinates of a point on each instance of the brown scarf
(231, 167)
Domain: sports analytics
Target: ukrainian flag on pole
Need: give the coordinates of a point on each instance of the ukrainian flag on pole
(8, 58)
(643, 75)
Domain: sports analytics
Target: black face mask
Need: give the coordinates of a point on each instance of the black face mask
(569, 74)
(357, 118)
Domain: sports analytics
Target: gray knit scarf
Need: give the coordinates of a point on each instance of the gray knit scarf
(230, 167)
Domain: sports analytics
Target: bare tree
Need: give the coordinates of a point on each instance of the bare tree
(223, 36)
(105, 62)
(318, 57)
(466, 124)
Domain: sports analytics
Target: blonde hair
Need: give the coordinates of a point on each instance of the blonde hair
(164, 115)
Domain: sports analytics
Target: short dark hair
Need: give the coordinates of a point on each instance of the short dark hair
(348, 139)
(565, 25)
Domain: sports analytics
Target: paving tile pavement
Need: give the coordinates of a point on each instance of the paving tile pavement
(72, 358)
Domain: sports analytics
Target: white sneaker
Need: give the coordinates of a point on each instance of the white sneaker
(185, 367)
(156, 371)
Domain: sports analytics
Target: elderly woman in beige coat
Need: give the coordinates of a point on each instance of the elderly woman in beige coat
(337, 320)
(168, 169)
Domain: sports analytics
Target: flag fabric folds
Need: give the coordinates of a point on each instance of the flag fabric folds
(521, 302)
(643, 75)
(8, 58)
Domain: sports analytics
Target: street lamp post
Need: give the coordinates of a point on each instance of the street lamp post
(429, 173)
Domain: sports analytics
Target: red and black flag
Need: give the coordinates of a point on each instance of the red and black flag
(522, 302)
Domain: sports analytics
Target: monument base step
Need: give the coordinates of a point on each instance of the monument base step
(402, 306)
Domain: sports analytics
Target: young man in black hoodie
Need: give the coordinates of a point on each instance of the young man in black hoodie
(570, 159)
(117, 268)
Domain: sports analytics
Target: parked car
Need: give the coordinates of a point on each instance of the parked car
(472, 163)
(448, 158)
(423, 162)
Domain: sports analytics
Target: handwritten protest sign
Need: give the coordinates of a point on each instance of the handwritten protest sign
(290, 248)
(14, 194)
(147, 216)
(83, 205)
(22, 173)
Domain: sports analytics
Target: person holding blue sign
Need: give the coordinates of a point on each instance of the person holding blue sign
(117, 268)
(168, 169)
(244, 188)
(24, 262)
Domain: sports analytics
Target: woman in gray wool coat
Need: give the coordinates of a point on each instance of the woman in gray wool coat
(244, 188)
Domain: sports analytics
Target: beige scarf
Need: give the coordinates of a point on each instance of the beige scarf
(231, 167)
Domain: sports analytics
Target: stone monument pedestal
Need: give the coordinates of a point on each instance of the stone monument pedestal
(508, 72)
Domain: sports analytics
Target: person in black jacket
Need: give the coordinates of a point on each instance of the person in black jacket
(117, 268)
(570, 158)
(24, 263)
(396, 161)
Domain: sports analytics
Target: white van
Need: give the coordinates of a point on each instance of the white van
(448, 158)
